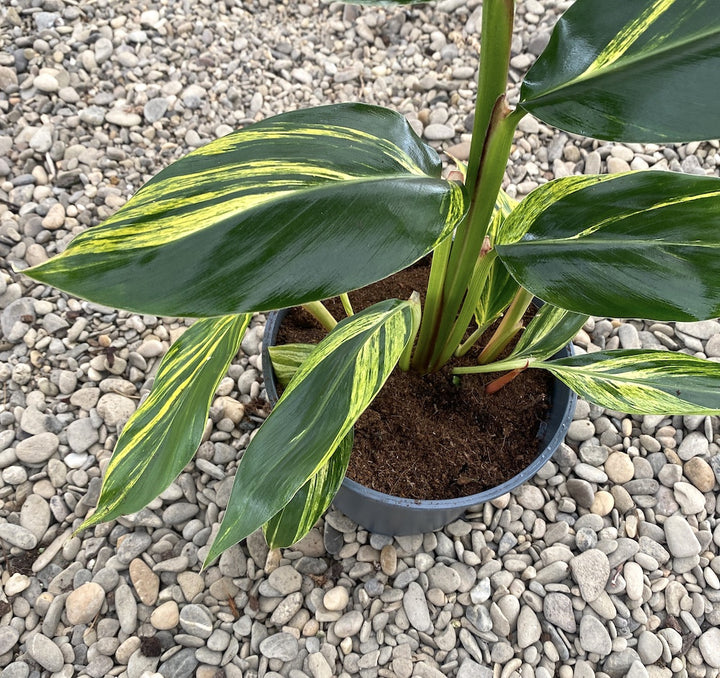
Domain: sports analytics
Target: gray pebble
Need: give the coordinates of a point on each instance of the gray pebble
(45, 652)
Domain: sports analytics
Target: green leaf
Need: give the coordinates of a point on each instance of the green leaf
(500, 288)
(387, 2)
(287, 358)
(162, 435)
(296, 519)
(631, 70)
(299, 207)
(642, 382)
(318, 409)
(640, 244)
(550, 330)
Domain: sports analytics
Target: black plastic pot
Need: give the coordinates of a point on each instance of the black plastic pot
(386, 514)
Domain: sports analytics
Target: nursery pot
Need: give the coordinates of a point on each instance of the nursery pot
(387, 514)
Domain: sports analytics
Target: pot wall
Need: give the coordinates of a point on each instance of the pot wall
(386, 514)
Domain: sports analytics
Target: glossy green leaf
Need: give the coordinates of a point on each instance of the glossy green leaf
(640, 244)
(164, 432)
(550, 330)
(387, 2)
(317, 410)
(500, 287)
(299, 207)
(631, 70)
(296, 519)
(287, 358)
(642, 382)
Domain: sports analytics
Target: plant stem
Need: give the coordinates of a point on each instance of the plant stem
(500, 366)
(496, 37)
(492, 136)
(442, 354)
(471, 341)
(510, 325)
(345, 299)
(321, 314)
(433, 304)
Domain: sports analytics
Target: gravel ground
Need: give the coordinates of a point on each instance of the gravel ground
(605, 564)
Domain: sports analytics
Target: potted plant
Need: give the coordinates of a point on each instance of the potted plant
(314, 203)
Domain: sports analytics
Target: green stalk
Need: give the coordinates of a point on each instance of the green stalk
(495, 41)
(501, 366)
(490, 148)
(511, 324)
(433, 304)
(468, 243)
(345, 299)
(471, 341)
(321, 314)
(477, 284)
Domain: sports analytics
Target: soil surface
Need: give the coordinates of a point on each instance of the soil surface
(424, 437)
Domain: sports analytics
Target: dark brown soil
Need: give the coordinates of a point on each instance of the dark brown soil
(425, 438)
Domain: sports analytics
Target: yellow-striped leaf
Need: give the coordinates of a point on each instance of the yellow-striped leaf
(639, 244)
(296, 519)
(318, 409)
(550, 330)
(631, 70)
(303, 206)
(287, 358)
(642, 382)
(162, 435)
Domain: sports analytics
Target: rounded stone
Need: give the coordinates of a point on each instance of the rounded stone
(591, 571)
(285, 580)
(37, 449)
(603, 503)
(349, 624)
(690, 499)
(196, 620)
(45, 652)
(145, 581)
(593, 636)
(633, 574)
(709, 645)
(115, 409)
(581, 430)
(166, 616)
(282, 646)
(336, 599)
(680, 538)
(700, 474)
(619, 467)
(8, 637)
(84, 603)
(649, 648)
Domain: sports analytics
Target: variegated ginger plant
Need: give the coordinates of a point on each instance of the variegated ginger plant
(312, 204)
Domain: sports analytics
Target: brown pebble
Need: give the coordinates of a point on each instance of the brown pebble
(700, 474)
(145, 581)
(388, 560)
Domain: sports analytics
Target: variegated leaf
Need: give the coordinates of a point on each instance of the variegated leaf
(642, 382)
(550, 330)
(296, 519)
(164, 432)
(287, 358)
(631, 70)
(639, 244)
(299, 207)
(317, 410)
